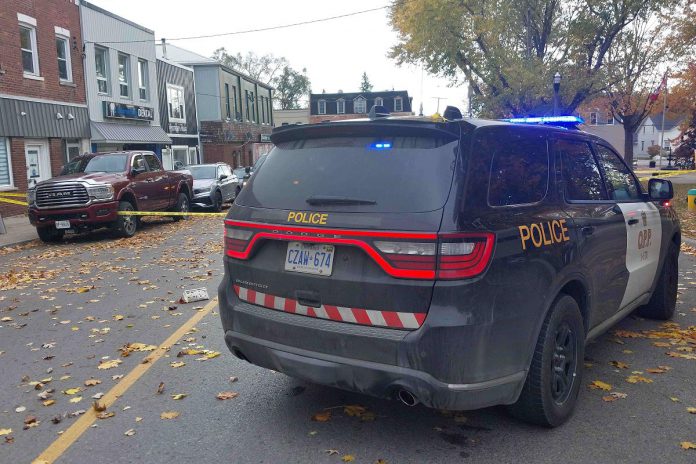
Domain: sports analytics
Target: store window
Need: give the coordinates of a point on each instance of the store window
(101, 61)
(142, 79)
(63, 54)
(124, 75)
(176, 104)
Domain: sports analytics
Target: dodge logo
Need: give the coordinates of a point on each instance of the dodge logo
(58, 194)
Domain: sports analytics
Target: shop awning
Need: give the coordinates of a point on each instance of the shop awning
(105, 132)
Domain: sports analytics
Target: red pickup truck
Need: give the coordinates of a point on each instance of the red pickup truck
(93, 188)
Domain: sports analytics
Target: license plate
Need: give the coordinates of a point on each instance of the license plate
(62, 224)
(310, 258)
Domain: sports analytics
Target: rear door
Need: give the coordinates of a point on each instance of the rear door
(598, 225)
(226, 185)
(344, 228)
(643, 226)
(159, 188)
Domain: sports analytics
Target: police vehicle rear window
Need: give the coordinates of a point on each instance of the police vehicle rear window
(366, 174)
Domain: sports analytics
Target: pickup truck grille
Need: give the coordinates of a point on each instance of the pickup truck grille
(61, 195)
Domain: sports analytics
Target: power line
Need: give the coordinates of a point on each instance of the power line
(248, 31)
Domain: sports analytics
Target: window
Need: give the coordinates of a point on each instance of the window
(124, 75)
(153, 163)
(321, 106)
(580, 171)
(30, 56)
(379, 101)
(63, 54)
(398, 104)
(251, 107)
(593, 119)
(621, 184)
(142, 79)
(519, 170)
(263, 110)
(227, 102)
(340, 106)
(72, 149)
(5, 163)
(642, 145)
(248, 113)
(359, 105)
(175, 103)
(610, 118)
(237, 115)
(101, 62)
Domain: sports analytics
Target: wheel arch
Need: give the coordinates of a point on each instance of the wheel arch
(129, 196)
(184, 188)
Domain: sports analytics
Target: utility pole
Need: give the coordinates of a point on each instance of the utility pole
(664, 111)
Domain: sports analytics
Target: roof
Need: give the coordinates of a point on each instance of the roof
(354, 95)
(115, 16)
(127, 133)
(670, 123)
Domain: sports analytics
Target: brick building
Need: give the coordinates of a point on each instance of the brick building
(351, 105)
(43, 111)
(234, 110)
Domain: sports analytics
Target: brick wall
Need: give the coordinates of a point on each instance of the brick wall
(48, 15)
(230, 132)
(57, 155)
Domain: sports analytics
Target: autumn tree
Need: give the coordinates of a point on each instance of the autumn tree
(290, 88)
(508, 51)
(365, 84)
(263, 68)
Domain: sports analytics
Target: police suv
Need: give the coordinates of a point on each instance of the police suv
(459, 263)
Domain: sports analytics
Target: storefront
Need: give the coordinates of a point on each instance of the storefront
(127, 127)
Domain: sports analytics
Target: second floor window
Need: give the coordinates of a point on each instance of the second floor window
(124, 75)
(228, 113)
(360, 105)
(63, 54)
(398, 104)
(341, 106)
(379, 101)
(175, 103)
(101, 62)
(321, 106)
(142, 79)
(30, 57)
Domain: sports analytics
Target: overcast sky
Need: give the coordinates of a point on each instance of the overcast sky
(334, 52)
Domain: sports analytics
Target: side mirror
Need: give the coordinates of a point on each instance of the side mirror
(660, 189)
(223, 176)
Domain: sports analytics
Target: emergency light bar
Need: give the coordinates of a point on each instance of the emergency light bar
(546, 120)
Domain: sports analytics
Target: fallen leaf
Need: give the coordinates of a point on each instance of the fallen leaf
(348, 458)
(613, 396)
(354, 410)
(20, 409)
(5, 432)
(619, 364)
(179, 396)
(76, 399)
(691, 410)
(138, 419)
(675, 399)
(331, 452)
(105, 415)
(160, 388)
(72, 391)
(129, 432)
(656, 370)
(177, 364)
(48, 402)
(638, 378)
(226, 395)
(233, 379)
(99, 406)
(628, 334)
(118, 317)
(687, 445)
(323, 416)
(92, 382)
(598, 384)
(169, 415)
(380, 461)
(109, 364)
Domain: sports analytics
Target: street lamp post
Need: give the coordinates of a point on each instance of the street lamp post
(556, 88)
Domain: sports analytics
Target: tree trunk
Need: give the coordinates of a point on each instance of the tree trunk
(628, 144)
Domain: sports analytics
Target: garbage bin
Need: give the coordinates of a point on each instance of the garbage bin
(691, 195)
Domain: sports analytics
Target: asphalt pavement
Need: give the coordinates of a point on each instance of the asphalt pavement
(67, 309)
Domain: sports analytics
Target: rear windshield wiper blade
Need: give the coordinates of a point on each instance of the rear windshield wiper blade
(329, 200)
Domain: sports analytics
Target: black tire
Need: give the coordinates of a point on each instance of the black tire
(49, 234)
(664, 299)
(236, 192)
(126, 226)
(217, 202)
(553, 381)
(182, 206)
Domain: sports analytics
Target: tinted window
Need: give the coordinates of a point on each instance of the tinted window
(106, 163)
(519, 169)
(580, 171)
(621, 184)
(153, 163)
(390, 174)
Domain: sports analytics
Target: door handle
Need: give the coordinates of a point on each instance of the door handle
(587, 230)
(632, 222)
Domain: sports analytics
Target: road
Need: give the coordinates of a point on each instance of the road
(68, 308)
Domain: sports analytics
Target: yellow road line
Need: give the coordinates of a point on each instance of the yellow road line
(56, 449)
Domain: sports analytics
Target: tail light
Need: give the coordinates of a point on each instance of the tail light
(410, 255)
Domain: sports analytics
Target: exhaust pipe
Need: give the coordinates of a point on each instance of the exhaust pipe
(407, 398)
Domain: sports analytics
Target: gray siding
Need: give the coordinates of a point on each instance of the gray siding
(208, 93)
(41, 120)
(176, 75)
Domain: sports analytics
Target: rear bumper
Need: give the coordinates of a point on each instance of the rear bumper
(95, 214)
(376, 379)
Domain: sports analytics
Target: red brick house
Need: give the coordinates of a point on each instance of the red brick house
(43, 111)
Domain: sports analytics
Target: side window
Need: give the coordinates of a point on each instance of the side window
(583, 180)
(153, 162)
(139, 161)
(621, 183)
(519, 170)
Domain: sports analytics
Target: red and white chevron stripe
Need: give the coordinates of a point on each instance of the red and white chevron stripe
(391, 319)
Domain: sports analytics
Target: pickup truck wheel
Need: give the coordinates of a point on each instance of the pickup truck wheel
(553, 381)
(217, 202)
(126, 225)
(49, 234)
(182, 206)
(664, 299)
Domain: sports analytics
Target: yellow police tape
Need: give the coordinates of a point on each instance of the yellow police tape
(12, 194)
(168, 213)
(14, 202)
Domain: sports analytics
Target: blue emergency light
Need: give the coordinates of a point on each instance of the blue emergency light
(547, 120)
(381, 145)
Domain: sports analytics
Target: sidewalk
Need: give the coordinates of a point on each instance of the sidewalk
(18, 231)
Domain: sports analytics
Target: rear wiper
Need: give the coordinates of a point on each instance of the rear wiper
(328, 200)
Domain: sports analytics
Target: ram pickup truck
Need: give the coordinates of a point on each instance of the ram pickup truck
(92, 189)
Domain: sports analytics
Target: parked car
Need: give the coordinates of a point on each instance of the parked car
(242, 175)
(213, 184)
(460, 264)
(93, 188)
